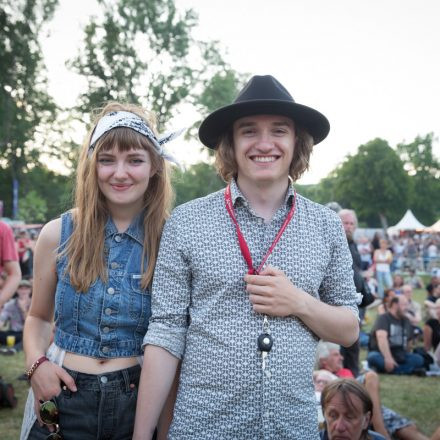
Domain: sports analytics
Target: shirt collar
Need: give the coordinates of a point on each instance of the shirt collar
(237, 195)
(135, 230)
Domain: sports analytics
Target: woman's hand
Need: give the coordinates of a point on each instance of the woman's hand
(46, 384)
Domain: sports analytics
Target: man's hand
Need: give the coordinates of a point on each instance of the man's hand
(272, 293)
(390, 364)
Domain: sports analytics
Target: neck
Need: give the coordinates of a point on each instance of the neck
(122, 218)
(265, 199)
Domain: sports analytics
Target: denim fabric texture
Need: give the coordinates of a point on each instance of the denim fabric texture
(103, 408)
(110, 319)
(412, 361)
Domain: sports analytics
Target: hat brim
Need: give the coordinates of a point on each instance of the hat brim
(220, 121)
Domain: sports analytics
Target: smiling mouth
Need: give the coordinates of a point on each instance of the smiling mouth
(120, 187)
(264, 159)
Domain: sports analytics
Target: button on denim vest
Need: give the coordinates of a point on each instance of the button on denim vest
(110, 319)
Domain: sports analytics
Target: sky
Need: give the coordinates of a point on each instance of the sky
(371, 66)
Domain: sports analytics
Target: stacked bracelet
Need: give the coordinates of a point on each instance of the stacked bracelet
(34, 366)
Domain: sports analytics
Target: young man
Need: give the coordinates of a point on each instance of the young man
(246, 282)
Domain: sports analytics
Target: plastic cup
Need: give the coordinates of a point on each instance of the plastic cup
(10, 341)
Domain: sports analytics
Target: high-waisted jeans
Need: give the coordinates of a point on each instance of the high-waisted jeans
(103, 408)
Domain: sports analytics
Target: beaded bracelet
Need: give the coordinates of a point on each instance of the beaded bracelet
(34, 366)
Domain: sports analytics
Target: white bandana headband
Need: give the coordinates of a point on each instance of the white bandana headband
(136, 123)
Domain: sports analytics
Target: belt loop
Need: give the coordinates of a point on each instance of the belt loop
(126, 378)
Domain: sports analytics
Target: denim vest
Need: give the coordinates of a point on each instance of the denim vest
(110, 319)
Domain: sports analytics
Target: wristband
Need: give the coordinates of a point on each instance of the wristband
(34, 366)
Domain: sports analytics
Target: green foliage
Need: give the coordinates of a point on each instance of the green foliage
(424, 169)
(322, 192)
(143, 51)
(33, 208)
(374, 183)
(24, 103)
(197, 181)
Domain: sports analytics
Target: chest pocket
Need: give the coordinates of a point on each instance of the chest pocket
(139, 306)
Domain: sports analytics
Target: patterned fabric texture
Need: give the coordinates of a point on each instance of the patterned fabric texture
(201, 312)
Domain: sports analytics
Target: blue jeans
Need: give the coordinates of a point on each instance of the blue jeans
(103, 407)
(384, 281)
(412, 361)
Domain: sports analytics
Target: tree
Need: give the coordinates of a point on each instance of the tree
(199, 180)
(143, 51)
(24, 103)
(424, 170)
(374, 183)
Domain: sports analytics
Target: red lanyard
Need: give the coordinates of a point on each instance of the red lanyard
(243, 245)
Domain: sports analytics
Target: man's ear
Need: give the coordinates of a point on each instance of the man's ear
(366, 421)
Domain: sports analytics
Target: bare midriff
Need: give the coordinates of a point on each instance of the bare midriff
(89, 365)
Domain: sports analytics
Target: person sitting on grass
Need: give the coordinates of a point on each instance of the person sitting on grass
(387, 296)
(431, 330)
(14, 313)
(390, 342)
(347, 409)
(433, 290)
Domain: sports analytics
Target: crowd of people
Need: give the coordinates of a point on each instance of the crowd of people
(205, 323)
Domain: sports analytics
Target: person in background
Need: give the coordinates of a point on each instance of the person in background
(383, 258)
(349, 222)
(24, 253)
(431, 329)
(397, 283)
(93, 268)
(388, 295)
(347, 409)
(8, 263)
(390, 342)
(14, 313)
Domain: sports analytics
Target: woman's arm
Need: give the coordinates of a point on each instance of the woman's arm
(158, 373)
(38, 327)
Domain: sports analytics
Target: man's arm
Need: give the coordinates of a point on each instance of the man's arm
(384, 348)
(272, 293)
(12, 269)
(158, 373)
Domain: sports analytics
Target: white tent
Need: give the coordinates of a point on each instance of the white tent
(435, 227)
(407, 223)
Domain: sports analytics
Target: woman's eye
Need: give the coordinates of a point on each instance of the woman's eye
(104, 160)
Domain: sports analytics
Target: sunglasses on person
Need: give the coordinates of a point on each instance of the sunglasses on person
(49, 416)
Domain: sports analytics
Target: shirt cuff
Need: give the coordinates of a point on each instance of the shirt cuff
(171, 339)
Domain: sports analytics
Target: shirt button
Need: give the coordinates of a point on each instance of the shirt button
(108, 311)
(118, 238)
(110, 291)
(106, 329)
(105, 349)
(104, 378)
(114, 265)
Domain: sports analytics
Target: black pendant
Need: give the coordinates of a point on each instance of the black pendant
(265, 342)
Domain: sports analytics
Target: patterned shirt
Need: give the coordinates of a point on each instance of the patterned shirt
(201, 312)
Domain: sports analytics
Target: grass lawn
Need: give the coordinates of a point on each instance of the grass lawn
(417, 398)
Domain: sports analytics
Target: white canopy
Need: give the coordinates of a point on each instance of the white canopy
(435, 227)
(408, 223)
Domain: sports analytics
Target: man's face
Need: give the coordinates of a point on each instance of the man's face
(402, 308)
(334, 361)
(263, 146)
(349, 223)
(345, 422)
(407, 291)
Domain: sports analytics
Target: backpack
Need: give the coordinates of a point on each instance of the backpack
(7, 395)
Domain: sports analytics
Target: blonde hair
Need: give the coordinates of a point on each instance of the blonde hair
(86, 261)
(227, 165)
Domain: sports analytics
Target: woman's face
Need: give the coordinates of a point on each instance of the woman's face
(123, 177)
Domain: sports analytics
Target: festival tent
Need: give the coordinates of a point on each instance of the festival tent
(407, 223)
(435, 227)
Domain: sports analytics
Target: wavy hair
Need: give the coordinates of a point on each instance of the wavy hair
(85, 249)
(227, 167)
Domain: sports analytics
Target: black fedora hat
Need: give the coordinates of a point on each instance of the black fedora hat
(262, 95)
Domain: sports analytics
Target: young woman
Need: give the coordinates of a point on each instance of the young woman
(383, 258)
(93, 267)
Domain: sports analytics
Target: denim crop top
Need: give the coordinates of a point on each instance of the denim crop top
(110, 319)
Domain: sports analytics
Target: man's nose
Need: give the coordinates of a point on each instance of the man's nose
(265, 141)
(340, 425)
